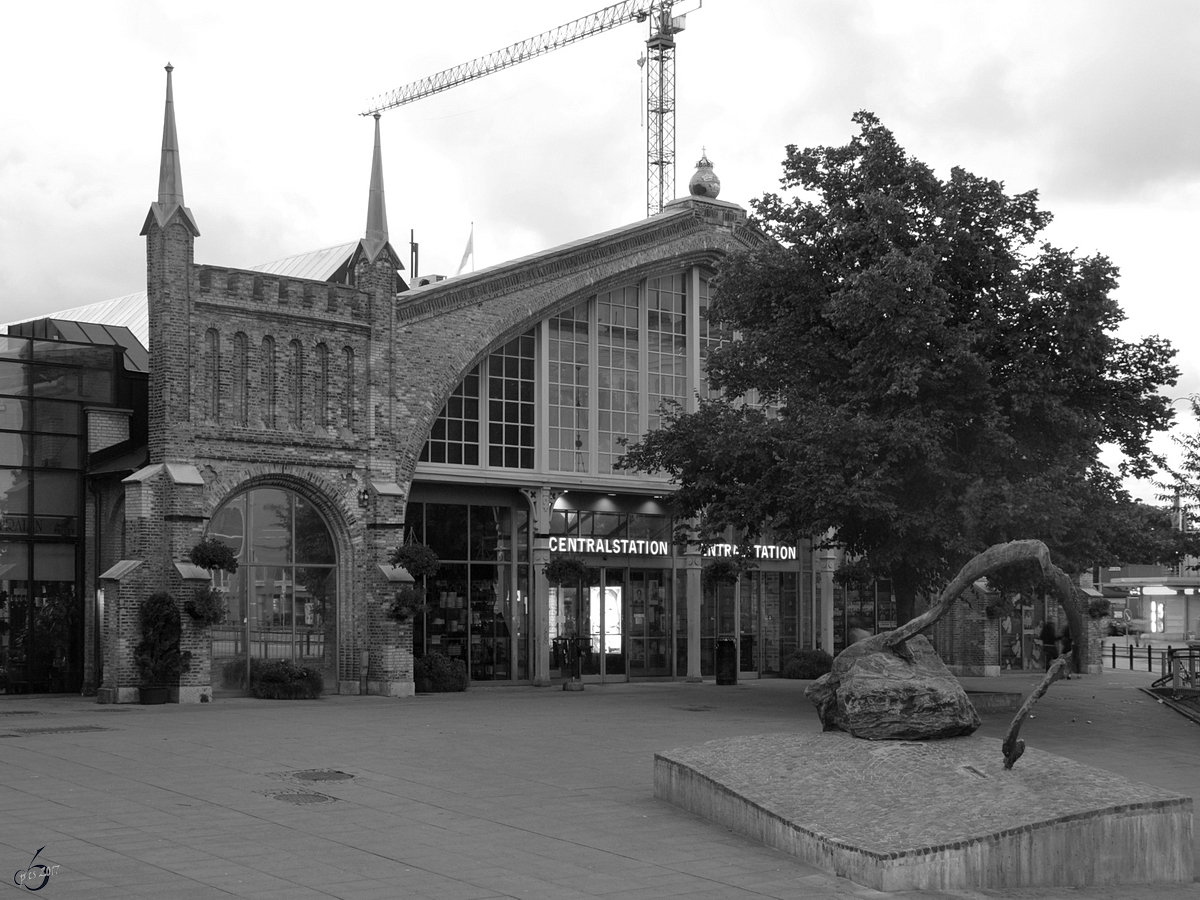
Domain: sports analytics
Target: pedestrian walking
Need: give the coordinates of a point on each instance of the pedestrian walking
(1049, 639)
(1065, 643)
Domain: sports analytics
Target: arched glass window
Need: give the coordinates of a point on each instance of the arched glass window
(282, 602)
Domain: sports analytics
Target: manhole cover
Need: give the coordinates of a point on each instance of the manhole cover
(9, 735)
(62, 729)
(21, 712)
(321, 775)
(696, 708)
(303, 797)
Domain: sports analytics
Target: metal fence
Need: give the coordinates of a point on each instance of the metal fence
(1149, 658)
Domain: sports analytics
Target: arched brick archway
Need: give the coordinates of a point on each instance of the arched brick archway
(293, 594)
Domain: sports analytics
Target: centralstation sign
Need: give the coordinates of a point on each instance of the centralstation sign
(627, 547)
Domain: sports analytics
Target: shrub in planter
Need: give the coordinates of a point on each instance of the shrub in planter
(282, 679)
(409, 602)
(1099, 607)
(806, 664)
(207, 608)
(158, 656)
(435, 674)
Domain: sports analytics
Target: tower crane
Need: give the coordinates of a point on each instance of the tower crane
(660, 89)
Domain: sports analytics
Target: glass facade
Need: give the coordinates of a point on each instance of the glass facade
(869, 609)
(769, 613)
(505, 425)
(44, 387)
(569, 404)
(610, 364)
(282, 603)
(618, 366)
(479, 598)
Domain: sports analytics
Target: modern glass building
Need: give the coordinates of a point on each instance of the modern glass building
(56, 402)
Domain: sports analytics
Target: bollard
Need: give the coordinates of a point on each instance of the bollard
(1114, 654)
(1129, 647)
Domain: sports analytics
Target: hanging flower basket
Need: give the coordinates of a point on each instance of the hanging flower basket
(409, 603)
(568, 570)
(207, 608)
(214, 555)
(720, 572)
(417, 559)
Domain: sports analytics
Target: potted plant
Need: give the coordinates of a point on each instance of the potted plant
(158, 656)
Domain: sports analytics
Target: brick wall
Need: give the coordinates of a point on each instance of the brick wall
(106, 427)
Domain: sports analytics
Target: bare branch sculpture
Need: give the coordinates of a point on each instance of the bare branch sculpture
(1012, 746)
(990, 560)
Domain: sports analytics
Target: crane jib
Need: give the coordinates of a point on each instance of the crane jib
(660, 99)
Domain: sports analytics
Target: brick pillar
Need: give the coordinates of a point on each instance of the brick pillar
(123, 586)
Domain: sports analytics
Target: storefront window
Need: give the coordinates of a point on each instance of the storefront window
(479, 600)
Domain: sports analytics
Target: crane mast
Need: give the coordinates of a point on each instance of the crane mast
(660, 79)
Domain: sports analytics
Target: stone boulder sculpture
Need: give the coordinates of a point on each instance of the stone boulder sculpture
(874, 694)
(894, 686)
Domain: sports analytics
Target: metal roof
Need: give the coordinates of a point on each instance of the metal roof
(128, 312)
(316, 265)
(82, 331)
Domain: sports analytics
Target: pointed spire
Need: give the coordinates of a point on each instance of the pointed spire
(377, 230)
(170, 173)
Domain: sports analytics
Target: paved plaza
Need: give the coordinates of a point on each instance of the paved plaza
(512, 792)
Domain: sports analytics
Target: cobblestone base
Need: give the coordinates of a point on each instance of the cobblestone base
(935, 815)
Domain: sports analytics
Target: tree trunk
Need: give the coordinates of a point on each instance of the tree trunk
(904, 586)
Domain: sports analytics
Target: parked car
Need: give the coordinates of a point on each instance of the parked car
(1120, 622)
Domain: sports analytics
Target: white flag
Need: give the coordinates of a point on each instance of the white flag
(468, 253)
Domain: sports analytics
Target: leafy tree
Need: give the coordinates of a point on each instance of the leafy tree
(933, 380)
(1181, 489)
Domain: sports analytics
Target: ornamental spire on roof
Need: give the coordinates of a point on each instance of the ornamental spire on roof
(377, 230)
(170, 173)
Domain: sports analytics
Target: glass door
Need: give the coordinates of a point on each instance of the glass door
(613, 625)
(648, 622)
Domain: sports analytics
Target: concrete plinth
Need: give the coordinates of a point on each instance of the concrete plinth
(933, 815)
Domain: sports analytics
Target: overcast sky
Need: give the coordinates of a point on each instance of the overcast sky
(1095, 104)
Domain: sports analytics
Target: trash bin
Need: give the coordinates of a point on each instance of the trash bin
(726, 661)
